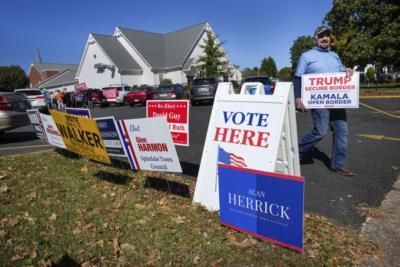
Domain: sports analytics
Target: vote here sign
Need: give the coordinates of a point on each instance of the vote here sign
(177, 114)
(330, 90)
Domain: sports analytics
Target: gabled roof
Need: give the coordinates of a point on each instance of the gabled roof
(50, 66)
(67, 76)
(116, 52)
(168, 50)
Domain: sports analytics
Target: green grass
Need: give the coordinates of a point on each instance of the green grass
(61, 209)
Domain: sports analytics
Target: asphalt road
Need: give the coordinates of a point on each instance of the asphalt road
(376, 162)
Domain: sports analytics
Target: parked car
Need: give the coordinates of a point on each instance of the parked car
(266, 81)
(35, 96)
(13, 108)
(97, 97)
(117, 93)
(168, 91)
(203, 89)
(139, 95)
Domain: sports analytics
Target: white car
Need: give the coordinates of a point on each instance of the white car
(35, 96)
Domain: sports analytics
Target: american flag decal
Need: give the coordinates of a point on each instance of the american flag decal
(231, 159)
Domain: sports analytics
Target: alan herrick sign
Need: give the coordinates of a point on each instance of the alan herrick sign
(266, 205)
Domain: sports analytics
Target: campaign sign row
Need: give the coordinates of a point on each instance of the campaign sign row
(100, 138)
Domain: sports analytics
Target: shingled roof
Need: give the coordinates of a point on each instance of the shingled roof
(164, 51)
(52, 66)
(64, 77)
(117, 53)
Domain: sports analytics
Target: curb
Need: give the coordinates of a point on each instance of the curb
(384, 231)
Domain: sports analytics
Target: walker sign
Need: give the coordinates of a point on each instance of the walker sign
(330, 90)
(81, 135)
(267, 205)
(177, 114)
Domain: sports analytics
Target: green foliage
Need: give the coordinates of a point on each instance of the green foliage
(247, 72)
(367, 31)
(300, 45)
(286, 74)
(370, 74)
(12, 77)
(211, 62)
(166, 81)
(268, 67)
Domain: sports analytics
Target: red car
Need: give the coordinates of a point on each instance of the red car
(139, 95)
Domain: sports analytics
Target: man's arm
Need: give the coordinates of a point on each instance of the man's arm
(297, 94)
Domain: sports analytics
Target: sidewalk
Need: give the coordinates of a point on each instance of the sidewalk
(385, 231)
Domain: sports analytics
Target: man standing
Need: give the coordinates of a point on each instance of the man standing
(321, 60)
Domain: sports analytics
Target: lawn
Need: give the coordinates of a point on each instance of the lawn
(58, 208)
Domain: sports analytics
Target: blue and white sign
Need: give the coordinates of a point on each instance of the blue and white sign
(53, 135)
(267, 205)
(34, 117)
(109, 133)
(148, 144)
(330, 90)
(82, 112)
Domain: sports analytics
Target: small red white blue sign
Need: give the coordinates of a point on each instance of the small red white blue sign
(267, 205)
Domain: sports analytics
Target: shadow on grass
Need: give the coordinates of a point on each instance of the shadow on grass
(113, 178)
(190, 169)
(65, 261)
(167, 186)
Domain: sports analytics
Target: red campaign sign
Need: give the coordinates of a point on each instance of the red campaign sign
(81, 86)
(177, 114)
(110, 93)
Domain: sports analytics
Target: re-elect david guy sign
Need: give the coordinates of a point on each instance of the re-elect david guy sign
(81, 135)
(177, 114)
(267, 205)
(330, 90)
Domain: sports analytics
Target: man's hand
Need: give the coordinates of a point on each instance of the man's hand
(349, 72)
(299, 105)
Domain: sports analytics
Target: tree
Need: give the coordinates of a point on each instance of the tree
(367, 31)
(247, 72)
(12, 77)
(286, 74)
(212, 63)
(268, 67)
(370, 74)
(166, 81)
(300, 45)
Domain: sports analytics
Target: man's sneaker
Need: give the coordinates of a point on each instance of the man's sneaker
(344, 172)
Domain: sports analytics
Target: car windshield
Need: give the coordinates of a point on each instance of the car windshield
(203, 81)
(263, 80)
(30, 92)
(166, 87)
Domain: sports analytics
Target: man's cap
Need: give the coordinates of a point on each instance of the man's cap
(321, 29)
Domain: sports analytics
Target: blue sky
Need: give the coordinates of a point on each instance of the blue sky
(251, 29)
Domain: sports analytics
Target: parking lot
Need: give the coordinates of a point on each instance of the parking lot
(374, 155)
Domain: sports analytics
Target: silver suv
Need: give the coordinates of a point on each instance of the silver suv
(203, 89)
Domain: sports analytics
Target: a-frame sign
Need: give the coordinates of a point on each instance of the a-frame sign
(254, 131)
